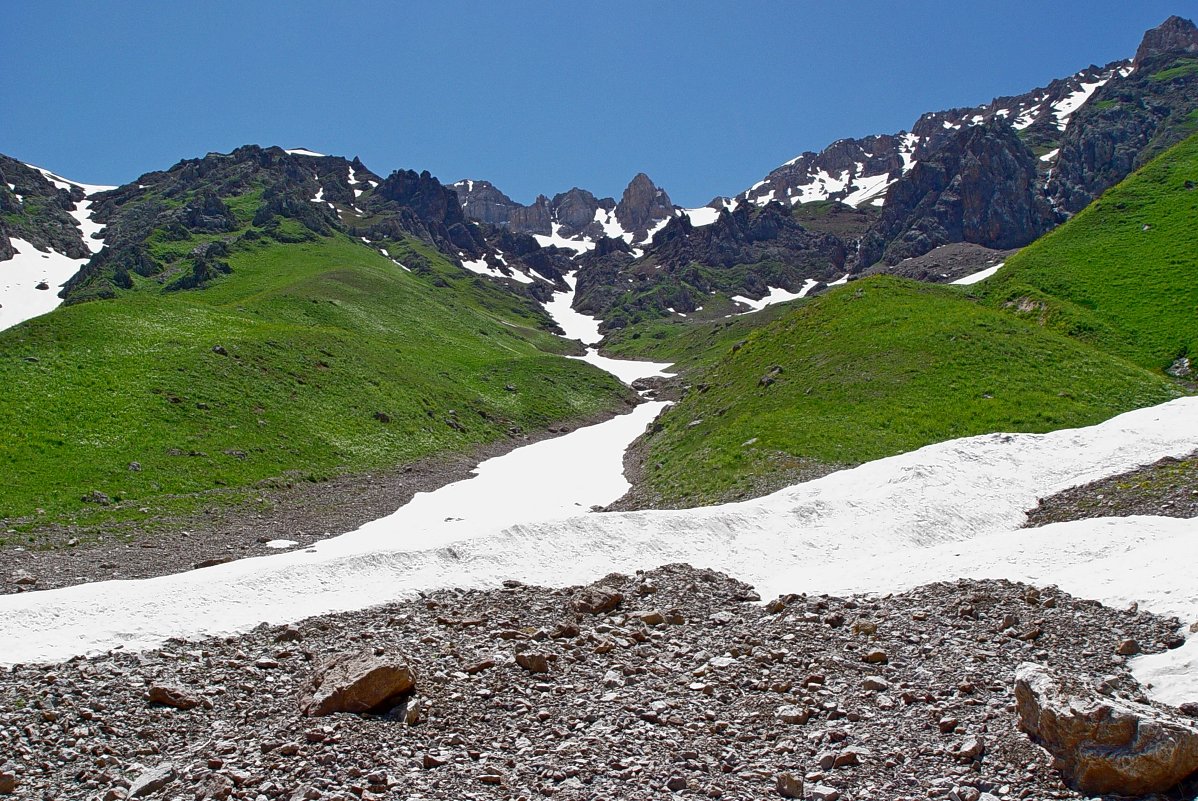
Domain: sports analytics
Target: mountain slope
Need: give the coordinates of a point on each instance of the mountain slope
(245, 338)
(1123, 273)
(869, 370)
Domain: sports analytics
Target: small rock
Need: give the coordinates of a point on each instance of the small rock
(948, 725)
(153, 780)
(1128, 648)
(172, 697)
(8, 783)
(794, 714)
(597, 601)
(23, 578)
(789, 785)
(533, 661)
(876, 656)
(970, 750)
(876, 683)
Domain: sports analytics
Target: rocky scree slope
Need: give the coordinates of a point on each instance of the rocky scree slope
(34, 209)
(670, 683)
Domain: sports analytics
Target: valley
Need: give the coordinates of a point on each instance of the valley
(859, 483)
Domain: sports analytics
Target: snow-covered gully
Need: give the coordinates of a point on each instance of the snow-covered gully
(946, 511)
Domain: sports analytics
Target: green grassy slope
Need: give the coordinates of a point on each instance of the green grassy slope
(306, 360)
(872, 369)
(1123, 274)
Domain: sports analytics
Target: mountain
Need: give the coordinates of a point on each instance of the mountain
(576, 219)
(1095, 318)
(955, 194)
(237, 332)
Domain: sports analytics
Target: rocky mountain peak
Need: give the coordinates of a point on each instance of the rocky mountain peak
(642, 205)
(1174, 35)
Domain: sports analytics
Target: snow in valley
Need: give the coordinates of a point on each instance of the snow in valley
(949, 510)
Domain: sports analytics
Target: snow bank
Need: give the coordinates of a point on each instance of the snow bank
(980, 275)
(942, 512)
(20, 299)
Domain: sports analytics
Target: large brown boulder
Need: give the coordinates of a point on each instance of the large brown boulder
(357, 683)
(1102, 745)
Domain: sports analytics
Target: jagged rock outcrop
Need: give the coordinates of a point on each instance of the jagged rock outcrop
(32, 208)
(1132, 118)
(483, 202)
(575, 210)
(744, 252)
(642, 206)
(980, 187)
(1104, 745)
(534, 219)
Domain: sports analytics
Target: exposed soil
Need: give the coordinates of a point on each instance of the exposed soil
(302, 511)
(1168, 488)
(685, 689)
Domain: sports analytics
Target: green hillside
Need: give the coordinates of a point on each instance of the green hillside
(875, 368)
(305, 360)
(1123, 274)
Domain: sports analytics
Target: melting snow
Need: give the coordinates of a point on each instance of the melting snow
(980, 275)
(555, 239)
(299, 151)
(775, 295)
(20, 299)
(702, 216)
(868, 188)
(1050, 155)
(945, 511)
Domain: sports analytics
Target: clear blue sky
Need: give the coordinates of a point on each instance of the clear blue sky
(705, 97)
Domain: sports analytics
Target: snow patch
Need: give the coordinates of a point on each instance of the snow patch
(299, 151)
(20, 299)
(555, 239)
(775, 295)
(980, 275)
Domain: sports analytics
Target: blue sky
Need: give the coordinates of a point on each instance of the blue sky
(705, 97)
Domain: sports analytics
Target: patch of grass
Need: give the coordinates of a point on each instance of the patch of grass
(1123, 274)
(875, 368)
(1181, 68)
(308, 360)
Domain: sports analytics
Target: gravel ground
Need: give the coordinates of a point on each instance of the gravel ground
(1168, 488)
(304, 512)
(685, 689)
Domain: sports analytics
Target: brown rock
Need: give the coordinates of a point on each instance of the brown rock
(597, 601)
(1128, 648)
(876, 657)
(789, 785)
(153, 780)
(1102, 745)
(173, 697)
(357, 683)
(8, 783)
(533, 662)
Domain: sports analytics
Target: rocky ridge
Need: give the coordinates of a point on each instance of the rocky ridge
(670, 683)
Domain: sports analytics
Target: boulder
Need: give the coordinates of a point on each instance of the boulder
(597, 601)
(172, 697)
(357, 683)
(1102, 745)
(153, 780)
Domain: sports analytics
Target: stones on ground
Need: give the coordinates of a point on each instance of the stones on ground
(172, 697)
(23, 578)
(357, 683)
(875, 684)
(1102, 745)
(8, 782)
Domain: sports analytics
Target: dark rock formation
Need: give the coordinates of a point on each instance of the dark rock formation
(1130, 119)
(980, 187)
(642, 206)
(32, 208)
